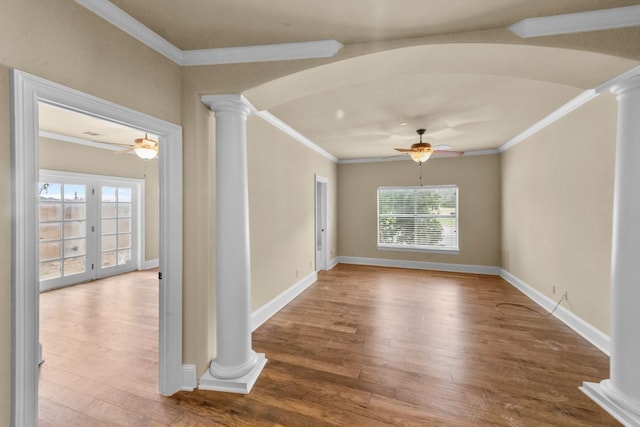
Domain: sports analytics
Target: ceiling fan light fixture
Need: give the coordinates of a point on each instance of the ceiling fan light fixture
(145, 153)
(420, 156)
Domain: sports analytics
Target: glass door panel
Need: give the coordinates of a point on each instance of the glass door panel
(88, 227)
(116, 226)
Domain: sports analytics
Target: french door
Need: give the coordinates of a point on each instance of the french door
(89, 227)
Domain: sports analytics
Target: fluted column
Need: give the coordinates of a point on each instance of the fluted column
(620, 395)
(236, 366)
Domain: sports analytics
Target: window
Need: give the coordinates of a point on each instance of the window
(418, 218)
(89, 227)
(63, 210)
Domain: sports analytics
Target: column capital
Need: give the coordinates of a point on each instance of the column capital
(231, 102)
(631, 83)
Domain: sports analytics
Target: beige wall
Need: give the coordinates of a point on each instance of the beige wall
(557, 192)
(198, 197)
(478, 180)
(281, 180)
(282, 214)
(65, 43)
(67, 157)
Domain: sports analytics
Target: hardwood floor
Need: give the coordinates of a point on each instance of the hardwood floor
(363, 346)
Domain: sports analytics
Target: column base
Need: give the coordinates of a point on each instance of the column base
(598, 393)
(241, 384)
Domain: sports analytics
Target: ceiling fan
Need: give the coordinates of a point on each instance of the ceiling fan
(421, 151)
(145, 148)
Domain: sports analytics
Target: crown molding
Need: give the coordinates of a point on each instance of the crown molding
(623, 78)
(576, 102)
(403, 158)
(261, 53)
(270, 118)
(231, 55)
(125, 22)
(80, 141)
(594, 20)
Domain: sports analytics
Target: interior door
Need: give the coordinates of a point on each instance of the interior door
(321, 223)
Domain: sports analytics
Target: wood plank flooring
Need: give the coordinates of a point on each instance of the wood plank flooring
(363, 346)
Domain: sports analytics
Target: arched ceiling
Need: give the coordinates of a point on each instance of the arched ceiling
(450, 66)
(469, 96)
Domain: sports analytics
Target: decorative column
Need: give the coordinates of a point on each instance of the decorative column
(236, 366)
(620, 395)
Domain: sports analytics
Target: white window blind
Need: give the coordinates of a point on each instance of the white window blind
(418, 218)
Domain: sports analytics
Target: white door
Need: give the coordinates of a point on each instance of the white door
(89, 227)
(322, 259)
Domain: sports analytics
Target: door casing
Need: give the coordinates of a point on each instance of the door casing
(26, 92)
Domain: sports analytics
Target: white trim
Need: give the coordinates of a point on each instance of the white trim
(27, 91)
(148, 264)
(265, 312)
(80, 141)
(596, 391)
(261, 53)
(604, 19)
(596, 337)
(332, 263)
(421, 265)
(236, 385)
(230, 55)
(189, 378)
(270, 118)
(606, 86)
(125, 22)
(567, 108)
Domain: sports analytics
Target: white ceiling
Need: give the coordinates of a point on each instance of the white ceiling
(471, 82)
(66, 125)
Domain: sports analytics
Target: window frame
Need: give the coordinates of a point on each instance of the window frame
(93, 219)
(419, 248)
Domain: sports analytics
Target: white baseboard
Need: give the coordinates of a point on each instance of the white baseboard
(597, 392)
(421, 265)
(150, 263)
(263, 314)
(585, 329)
(189, 377)
(333, 262)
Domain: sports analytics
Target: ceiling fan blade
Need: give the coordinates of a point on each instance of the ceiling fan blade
(128, 150)
(452, 153)
(404, 150)
(114, 143)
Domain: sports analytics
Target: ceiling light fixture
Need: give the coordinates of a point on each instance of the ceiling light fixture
(146, 153)
(420, 151)
(146, 148)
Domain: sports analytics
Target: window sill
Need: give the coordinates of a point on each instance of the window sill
(418, 249)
